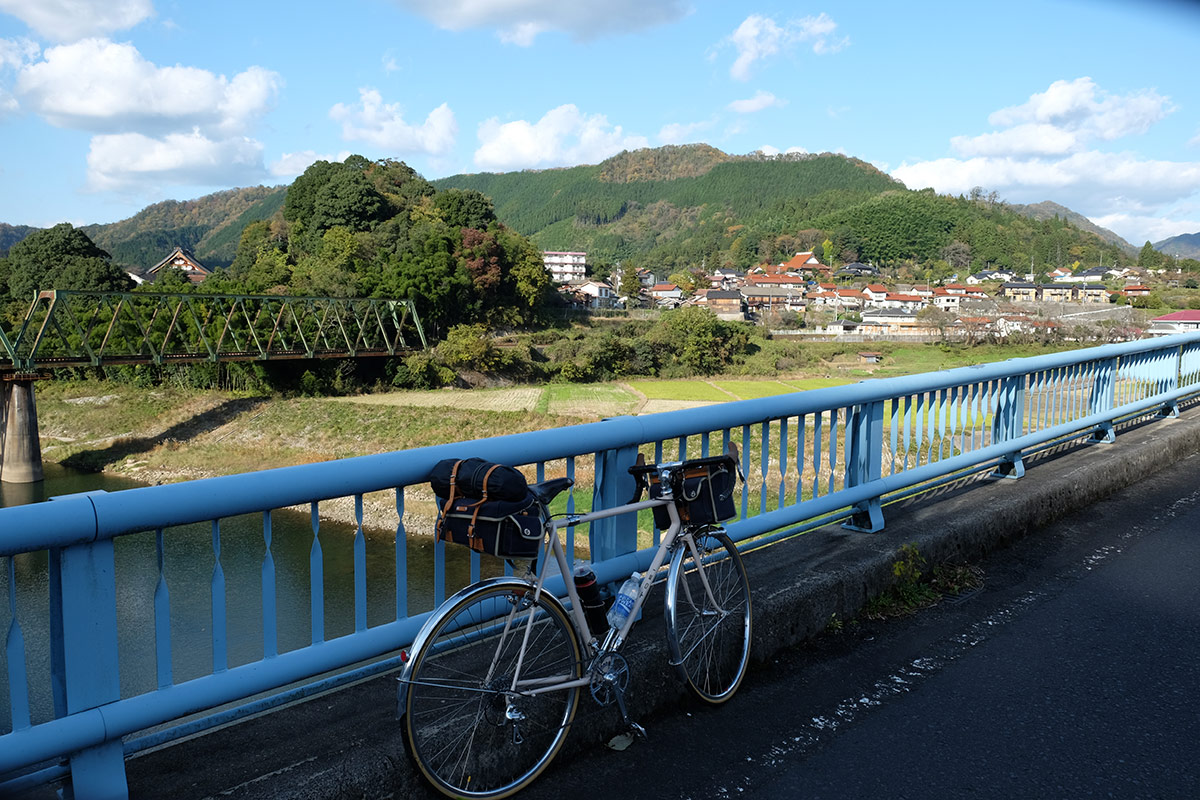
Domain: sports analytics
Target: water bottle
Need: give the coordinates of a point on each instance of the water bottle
(590, 599)
(623, 604)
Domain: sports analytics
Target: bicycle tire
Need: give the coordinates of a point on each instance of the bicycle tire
(459, 725)
(709, 647)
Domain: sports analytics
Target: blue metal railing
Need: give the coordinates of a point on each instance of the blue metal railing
(827, 454)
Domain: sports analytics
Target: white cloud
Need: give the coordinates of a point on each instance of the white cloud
(1046, 148)
(563, 137)
(521, 21)
(683, 132)
(759, 37)
(761, 100)
(1081, 106)
(382, 125)
(97, 85)
(8, 104)
(17, 53)
(289, 165)
(71, 20)
(1137, 229)
(1029, 139)
(134, 162)
(1102, 182)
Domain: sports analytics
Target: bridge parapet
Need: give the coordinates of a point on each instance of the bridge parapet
(809, 458)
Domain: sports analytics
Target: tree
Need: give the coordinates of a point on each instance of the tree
(61, 257)
(465, 208)
(629, 282)
(827, 247)
(1149, 258)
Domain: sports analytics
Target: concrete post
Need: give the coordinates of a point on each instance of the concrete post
(22, 457)
(5, 391)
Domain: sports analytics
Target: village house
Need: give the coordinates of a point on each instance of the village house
(1020, 292)
(889, 321)
(776, 280)
(945, 300)
(1175, 322)
(875, 293)
(1091, 293)
(1056, 293)
(592, 294)
(773, 298)
(906, 302)
(666, 291)
(183, 261)
(726, 304)
(1136, 290)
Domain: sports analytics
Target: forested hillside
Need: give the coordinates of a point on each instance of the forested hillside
(11, 234)
(1186, 245)
(676, 208)
(210, 227)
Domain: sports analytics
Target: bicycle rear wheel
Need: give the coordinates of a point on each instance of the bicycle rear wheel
(468, 732)
(708, 635)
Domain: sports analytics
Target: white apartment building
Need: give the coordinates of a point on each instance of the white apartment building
(565, 267)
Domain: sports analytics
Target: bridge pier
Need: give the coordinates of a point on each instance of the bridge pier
(20, 447)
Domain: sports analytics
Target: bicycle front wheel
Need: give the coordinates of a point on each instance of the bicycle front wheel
(708, 616)
(472, 733)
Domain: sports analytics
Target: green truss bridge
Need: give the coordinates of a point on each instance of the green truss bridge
(74, 329)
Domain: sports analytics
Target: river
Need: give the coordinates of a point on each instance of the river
(189, 567)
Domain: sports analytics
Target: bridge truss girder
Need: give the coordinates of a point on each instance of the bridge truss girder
(69, 328)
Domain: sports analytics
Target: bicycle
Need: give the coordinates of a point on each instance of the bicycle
(492, 683)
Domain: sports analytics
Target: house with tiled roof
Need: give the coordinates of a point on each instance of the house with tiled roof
(183, 261)
(875, 292)
(908, 302)
(666, 291)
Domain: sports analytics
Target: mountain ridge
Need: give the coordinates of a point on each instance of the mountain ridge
(1185, 245)
(679, 204)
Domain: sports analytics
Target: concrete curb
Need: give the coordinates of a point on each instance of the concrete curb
(347, 744)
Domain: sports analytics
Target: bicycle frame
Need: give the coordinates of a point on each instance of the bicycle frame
(614, 638)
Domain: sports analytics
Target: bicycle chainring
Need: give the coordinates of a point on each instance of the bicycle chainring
(609, 677)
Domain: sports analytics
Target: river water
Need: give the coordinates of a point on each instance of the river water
(189, 566)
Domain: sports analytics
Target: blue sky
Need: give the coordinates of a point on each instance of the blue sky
(109, 105)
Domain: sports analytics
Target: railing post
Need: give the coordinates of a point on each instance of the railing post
(1007, 424)
(1102, 399)
(864, 463)
(614, 486)
(84, 660)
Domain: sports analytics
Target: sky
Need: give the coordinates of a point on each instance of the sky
(107, 106)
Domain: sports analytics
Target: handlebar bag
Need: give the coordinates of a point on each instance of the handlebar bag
(504, 528)
(703, 491)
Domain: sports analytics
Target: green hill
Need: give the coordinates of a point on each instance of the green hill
(210, 227)
(11, 234)
(681, 207)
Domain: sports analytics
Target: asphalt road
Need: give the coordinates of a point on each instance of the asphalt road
(1074, 672)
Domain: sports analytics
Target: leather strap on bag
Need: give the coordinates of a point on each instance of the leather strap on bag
(449, 504)
(477, 543)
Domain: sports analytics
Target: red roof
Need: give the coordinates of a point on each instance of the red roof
(663, 287)
(1191, 315)
(875, 287)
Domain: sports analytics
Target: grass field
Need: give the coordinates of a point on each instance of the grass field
(691, 390)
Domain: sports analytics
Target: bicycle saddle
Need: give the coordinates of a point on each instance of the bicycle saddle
(546, 491)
